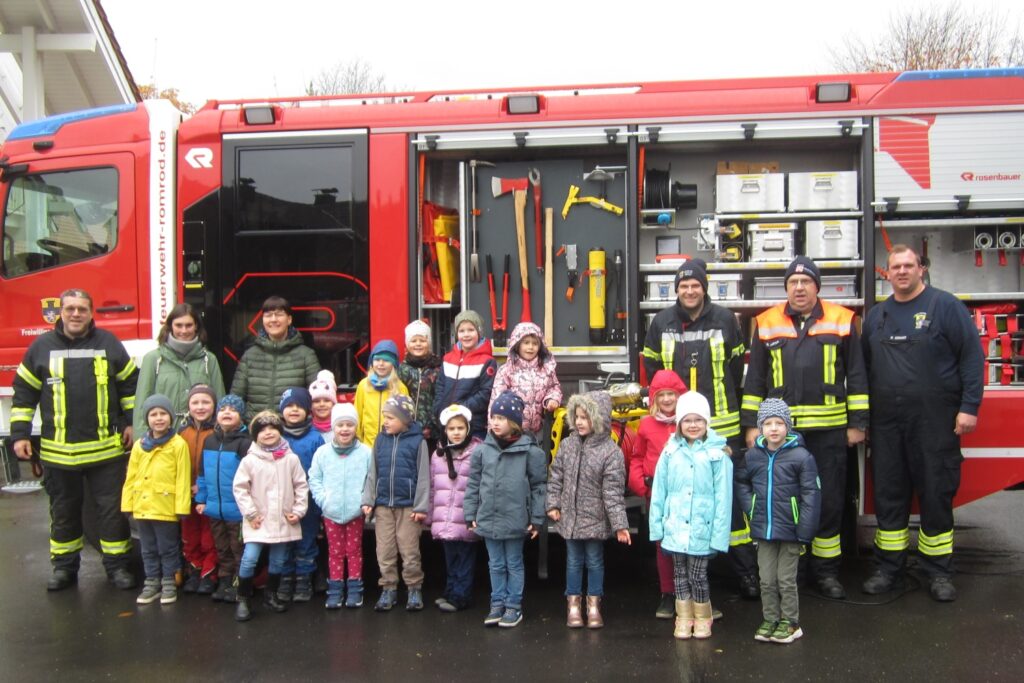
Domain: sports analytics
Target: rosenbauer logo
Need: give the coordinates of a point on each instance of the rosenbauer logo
(970, 177)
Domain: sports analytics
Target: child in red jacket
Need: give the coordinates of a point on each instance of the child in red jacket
(651, 436)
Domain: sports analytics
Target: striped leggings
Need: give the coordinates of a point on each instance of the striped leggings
(690, 576)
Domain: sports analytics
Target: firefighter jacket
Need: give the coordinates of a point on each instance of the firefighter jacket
(707, 353)
(819, 368)
(85, 390)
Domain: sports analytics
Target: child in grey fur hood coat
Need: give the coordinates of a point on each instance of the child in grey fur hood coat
(585, 500)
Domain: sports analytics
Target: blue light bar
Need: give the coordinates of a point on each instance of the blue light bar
(50, 125)
(953, 74)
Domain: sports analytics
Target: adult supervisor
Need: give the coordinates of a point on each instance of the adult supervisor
(180, 362)
(926, 369)
(808, 352)
(83, 382)
(277, 360)
(701, 342)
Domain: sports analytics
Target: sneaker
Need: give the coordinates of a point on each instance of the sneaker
(191, 584)
(942, 589)
(494, 616)
(765, 630)
(61, 579)
(446, 606)
(150, 592)
(666, 607)
(830, 587)
(207, 585)
(511, 617)
(438, 601)
(415, 600)
(122, 579)
(387, 600)
(786, 632)
(880, 582)
(168, 591)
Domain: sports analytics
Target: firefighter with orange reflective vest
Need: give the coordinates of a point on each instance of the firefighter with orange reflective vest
(807, 351)
(702, 343)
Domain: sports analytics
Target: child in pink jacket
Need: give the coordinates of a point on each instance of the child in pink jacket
(530, 372)
(449, 474)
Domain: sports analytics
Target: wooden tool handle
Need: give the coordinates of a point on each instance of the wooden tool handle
(519, 197)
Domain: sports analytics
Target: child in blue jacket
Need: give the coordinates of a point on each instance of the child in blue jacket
(691, 510)
(777, 484)
(222, 452)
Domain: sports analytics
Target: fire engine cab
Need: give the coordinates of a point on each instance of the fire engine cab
(569, 206)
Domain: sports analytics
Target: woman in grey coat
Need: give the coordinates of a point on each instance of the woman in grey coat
(586, 500)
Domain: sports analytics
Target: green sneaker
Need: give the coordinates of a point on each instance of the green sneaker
(765, 630)
(786, 632)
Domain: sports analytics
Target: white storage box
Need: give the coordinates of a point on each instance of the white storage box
(824, 191)
(751, 193)
(771, 241)
(832, 287)
(720, 287)
(831, 239)
(659, 287)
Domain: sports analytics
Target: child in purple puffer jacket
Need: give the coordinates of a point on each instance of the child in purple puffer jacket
(449, 474)
(530, 372)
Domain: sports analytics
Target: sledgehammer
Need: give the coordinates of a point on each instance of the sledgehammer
(518, 187)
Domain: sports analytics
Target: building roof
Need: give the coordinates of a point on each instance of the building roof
(72, 80)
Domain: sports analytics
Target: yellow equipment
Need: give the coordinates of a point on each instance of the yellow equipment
(596, 202)
(598, 294)
(446, 231)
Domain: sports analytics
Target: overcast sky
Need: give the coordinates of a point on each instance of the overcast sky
(261, 48)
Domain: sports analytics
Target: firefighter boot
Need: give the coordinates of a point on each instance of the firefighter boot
(303, 588)
(594, 619)
(271, 594)
(61, 579)
(242, 610)
(684, 619)
(574, 617)
(122, 579)
(287, 589)
(702, 620)
(942, 589)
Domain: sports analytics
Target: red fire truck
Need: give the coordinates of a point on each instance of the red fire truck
(368, 211)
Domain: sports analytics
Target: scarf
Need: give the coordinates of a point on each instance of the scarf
(182, 348)
(663, 418)
(431, 360)
(322, 426)
(377, 382)
(344, 450)
(149, 442)
(299, 429)
(278, 450)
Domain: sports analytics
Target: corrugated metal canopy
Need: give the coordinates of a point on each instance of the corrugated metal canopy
(71, 79)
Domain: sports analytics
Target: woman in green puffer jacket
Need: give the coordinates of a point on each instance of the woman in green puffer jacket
(180, 362)
(277, 360)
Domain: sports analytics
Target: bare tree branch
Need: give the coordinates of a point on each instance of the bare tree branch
(348, 78)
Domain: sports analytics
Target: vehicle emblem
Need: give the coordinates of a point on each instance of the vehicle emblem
(51, 309)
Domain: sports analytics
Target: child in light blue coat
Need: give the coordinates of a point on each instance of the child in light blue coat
(690, 513)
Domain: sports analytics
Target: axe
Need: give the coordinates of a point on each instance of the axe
(518, 187)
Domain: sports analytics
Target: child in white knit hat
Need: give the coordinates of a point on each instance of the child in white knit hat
(419, 371)
(324, 392)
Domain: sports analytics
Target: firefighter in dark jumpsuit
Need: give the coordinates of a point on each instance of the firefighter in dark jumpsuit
(926, 370)
(702, 343)
(808, 350)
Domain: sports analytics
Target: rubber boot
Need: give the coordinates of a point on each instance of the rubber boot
(303, 588)
(574, 616)
(594, 618)
(242, 610)
(271, 596)
(684, 619)
(702, 620)
(334, 589)
(220, 593)
(354, 596)
(287, 588)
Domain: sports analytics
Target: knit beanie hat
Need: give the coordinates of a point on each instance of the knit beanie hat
(455, 410)
(509, 405)
(400, 406)
(692, 269)
(469, 316)
(202, 389)
(385, 349)
(417, 328)
(802, 265)
(693, 403)
(264, 419)
(324, 386)
(344, 412)
(157, 401)
(774, 407)
(296, 396)
(233, 401)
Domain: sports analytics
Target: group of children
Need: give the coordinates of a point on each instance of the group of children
(317, 462)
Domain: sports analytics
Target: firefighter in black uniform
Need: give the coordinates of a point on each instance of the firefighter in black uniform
(83, 382)
(808, 350)
(927, 372)
(702, 343)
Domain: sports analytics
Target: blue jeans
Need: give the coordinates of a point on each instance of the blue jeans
(160, 543)
(588, 551)
(460, 559)
(508, 575)
(302, 554)
(251, 555)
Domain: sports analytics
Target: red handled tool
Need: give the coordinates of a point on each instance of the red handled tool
(498, 323)
(534, 176)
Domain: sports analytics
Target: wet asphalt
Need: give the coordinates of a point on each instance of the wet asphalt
(94, 632)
